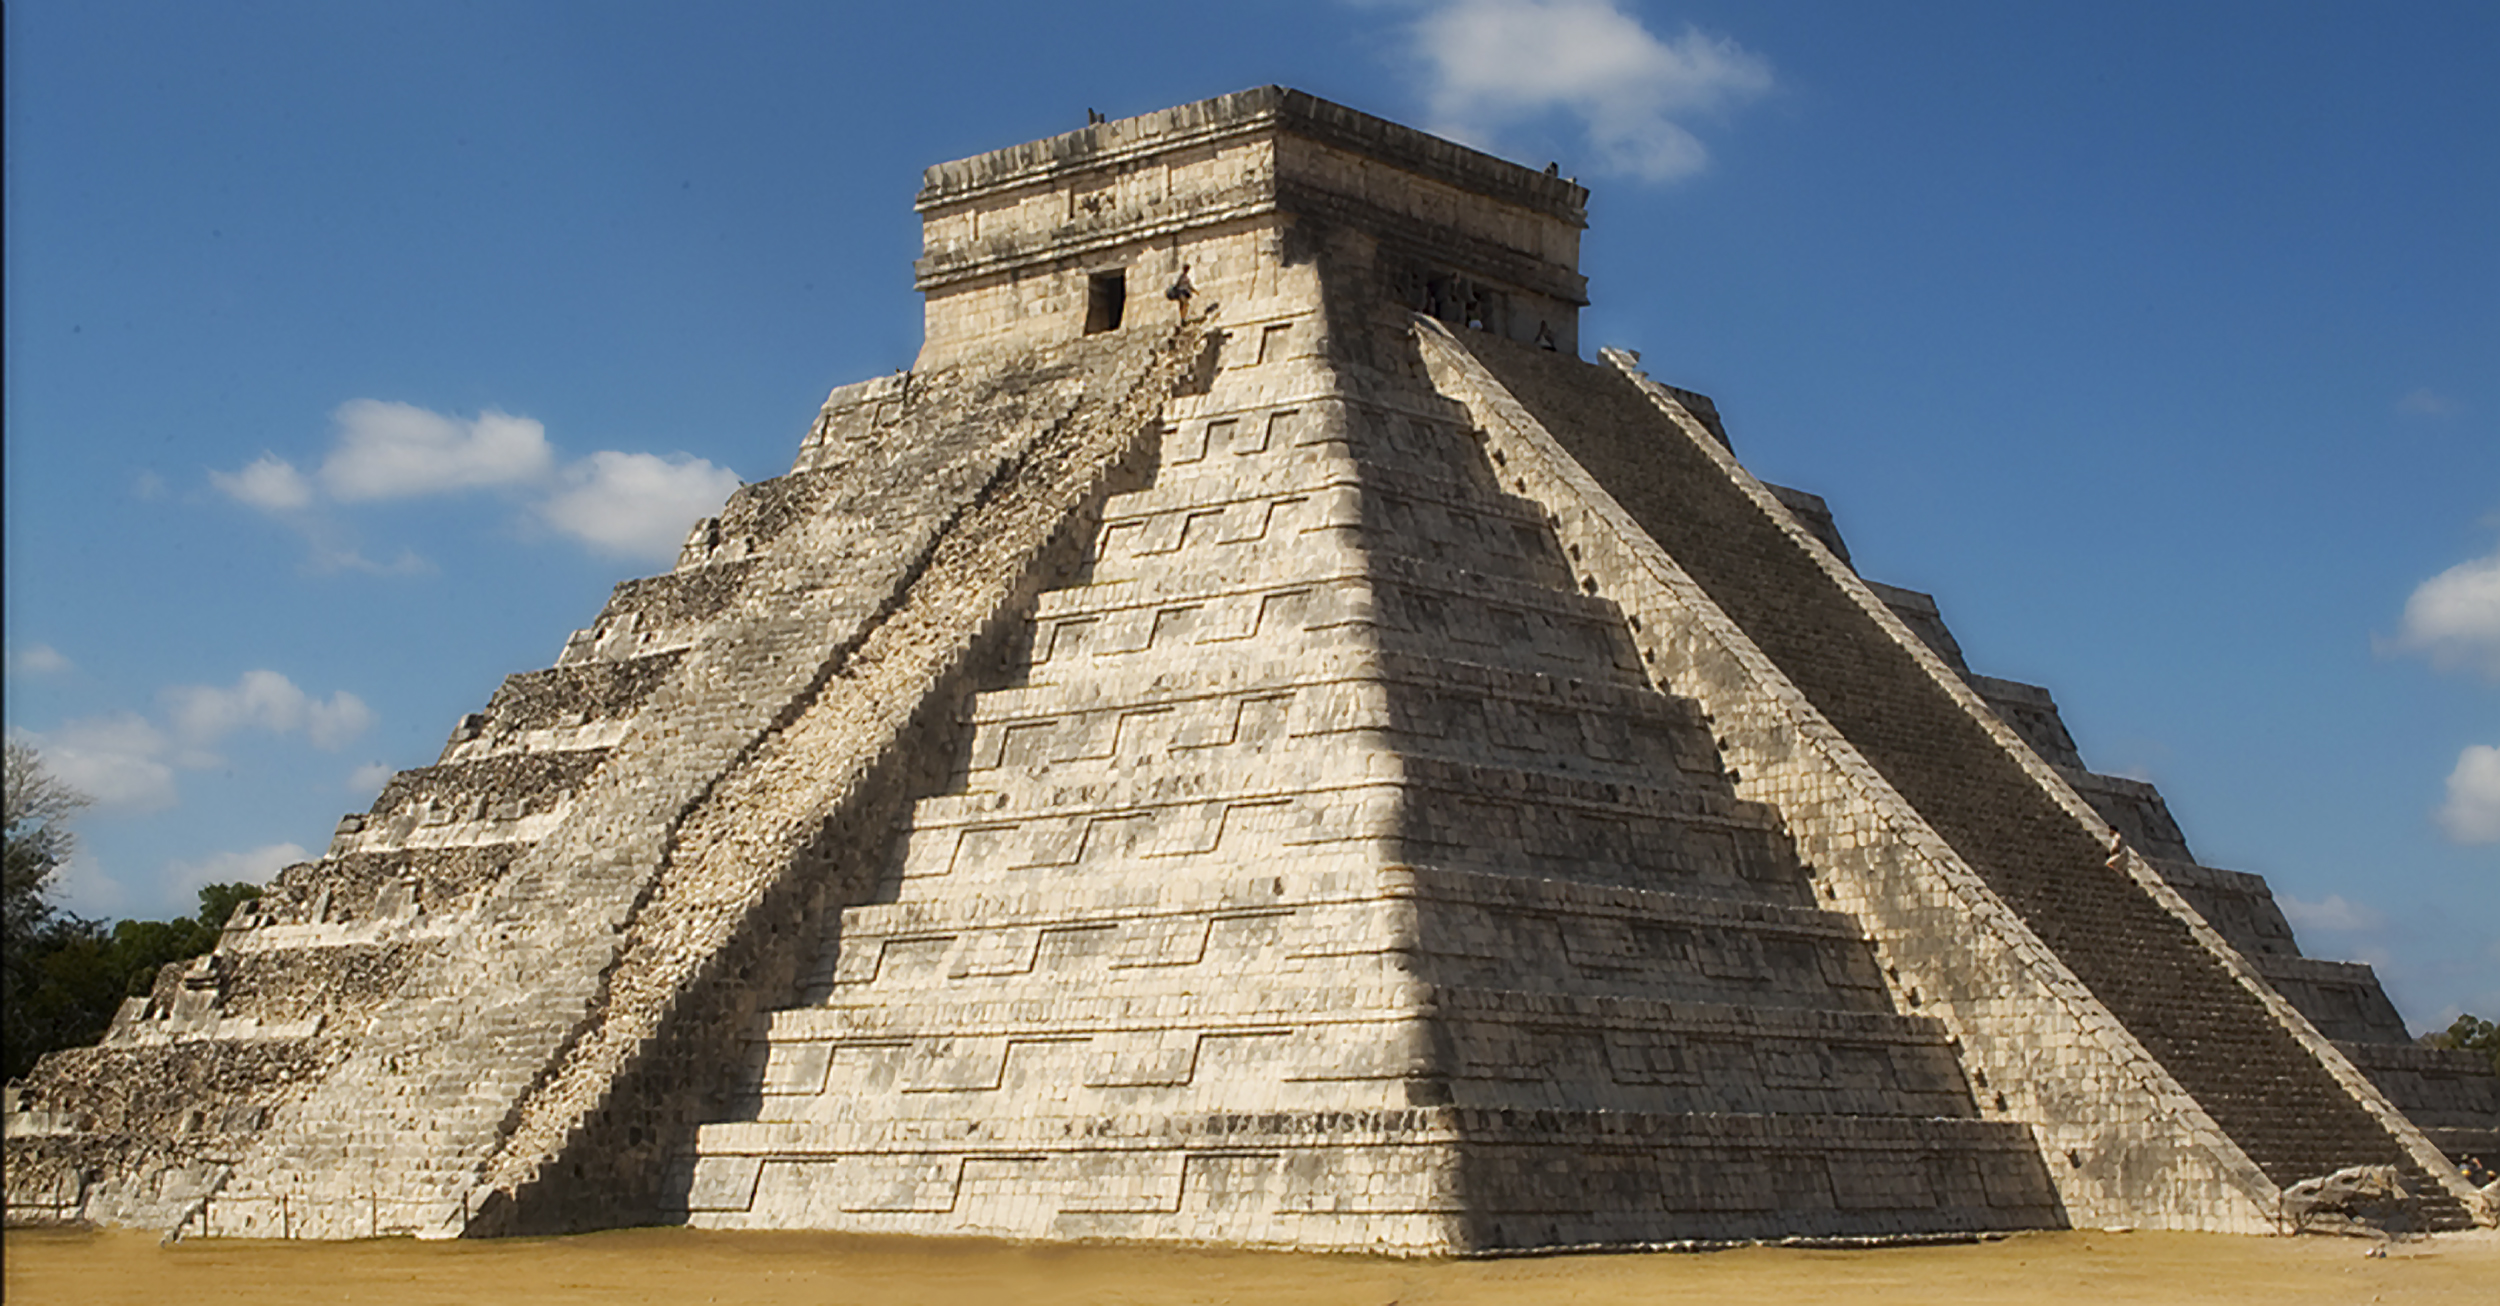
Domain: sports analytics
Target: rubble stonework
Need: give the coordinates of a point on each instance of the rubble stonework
(1306, 762)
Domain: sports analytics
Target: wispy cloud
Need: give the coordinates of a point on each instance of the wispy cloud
(2426, 402)
(2338, 927)
(632, 505)
(122, 761)
(2475, 979)
(265, 700)
(41, 660)
(251, 866)
(128, 763)
(269, 483)
(2472, 813)
(2454, 619)
(388, 450)
(1494, 65)
(2331, 915)
(636, 505)
(84, 888)
(329, 557)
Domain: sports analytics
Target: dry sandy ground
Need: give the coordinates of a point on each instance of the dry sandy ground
(682, 1266)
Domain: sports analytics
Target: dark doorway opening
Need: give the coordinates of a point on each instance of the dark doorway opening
(1106, 298)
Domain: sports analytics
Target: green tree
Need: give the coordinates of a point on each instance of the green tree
(66, 977)
(76, 973)
(217, 906)
(2470, 1034)
(37, 811)
(38, 808)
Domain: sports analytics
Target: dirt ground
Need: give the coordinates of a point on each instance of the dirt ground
(684, 1266)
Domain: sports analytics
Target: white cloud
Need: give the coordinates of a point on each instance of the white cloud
(270, 484)
(1496, 63)
(2332, 916)
(2472, 813)
(2426, 402)
(389, 450)
(2454, 618)
(128, 763)
(327, 558)
(255, 866)
(120, 761)
(367, 780)
(42, 660)
(83, 888)
(147, 485)
(265, 700)
(633, 505)
(636, 505)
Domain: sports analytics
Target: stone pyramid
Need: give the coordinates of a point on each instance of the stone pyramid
(1309, 762)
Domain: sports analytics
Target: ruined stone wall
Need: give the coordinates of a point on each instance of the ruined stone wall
(2455, 1101)
(1745, 562)
(1260, 769)
(1012, 239)
(442, 890)
(1325, 708)
(2124, 1144)
(1030, 1032)
(796, 830)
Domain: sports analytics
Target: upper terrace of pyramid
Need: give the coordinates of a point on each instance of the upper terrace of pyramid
(1043, 241)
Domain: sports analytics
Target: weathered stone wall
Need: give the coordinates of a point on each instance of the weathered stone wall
(545, 998)
(1795, 615)
(1250, 769)
(794, 830)
(1325, 707)
(2136, 1147)
(1012, 239)
(137, 1134)
(1175, 783)
(2342, 999)
(419, 897)
(575, 695)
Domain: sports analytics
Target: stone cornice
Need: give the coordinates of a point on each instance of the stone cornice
(1263, 110)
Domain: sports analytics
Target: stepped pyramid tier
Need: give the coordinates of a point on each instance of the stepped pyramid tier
(1252, 740)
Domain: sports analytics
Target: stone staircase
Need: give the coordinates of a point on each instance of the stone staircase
(1332, 778)
(413, 1133)
(2261, 1080)
(1324, 707)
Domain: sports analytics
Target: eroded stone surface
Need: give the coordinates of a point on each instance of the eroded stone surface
(1307, 764)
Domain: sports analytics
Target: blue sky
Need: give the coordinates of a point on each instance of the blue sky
(353, 350)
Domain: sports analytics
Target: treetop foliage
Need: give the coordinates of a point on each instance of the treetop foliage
(2470, 1033)
(66, 977)
(38, 808)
